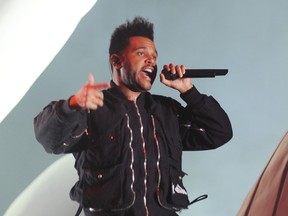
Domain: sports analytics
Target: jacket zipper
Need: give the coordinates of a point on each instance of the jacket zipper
(79, 135)
(145, 159)
(158, 167)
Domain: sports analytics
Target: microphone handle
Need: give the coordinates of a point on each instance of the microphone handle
(196, 73)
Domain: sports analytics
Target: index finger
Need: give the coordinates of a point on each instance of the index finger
(100, 86)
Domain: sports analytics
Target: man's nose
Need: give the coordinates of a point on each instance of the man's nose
(151, 60)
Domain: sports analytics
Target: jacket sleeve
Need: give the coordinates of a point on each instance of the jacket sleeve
(59, 129)
(203, 123)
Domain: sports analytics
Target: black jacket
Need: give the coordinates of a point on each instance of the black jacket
(101, 143)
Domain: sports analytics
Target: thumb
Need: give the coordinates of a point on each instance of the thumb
(90, 79)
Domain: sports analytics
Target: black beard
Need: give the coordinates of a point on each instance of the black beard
(135, 87)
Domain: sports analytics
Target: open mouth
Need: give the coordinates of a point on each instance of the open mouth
(150, 72)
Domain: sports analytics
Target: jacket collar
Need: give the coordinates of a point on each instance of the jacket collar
(115, 90)
(145, 99)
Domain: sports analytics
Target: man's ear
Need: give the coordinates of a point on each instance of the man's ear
(116, 61)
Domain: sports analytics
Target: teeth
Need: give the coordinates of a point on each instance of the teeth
(148, 70)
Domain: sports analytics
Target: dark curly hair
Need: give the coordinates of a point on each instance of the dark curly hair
(139, 26)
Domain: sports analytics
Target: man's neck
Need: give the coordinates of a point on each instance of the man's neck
(131, 95)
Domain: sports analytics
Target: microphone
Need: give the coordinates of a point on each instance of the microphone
(196, 73)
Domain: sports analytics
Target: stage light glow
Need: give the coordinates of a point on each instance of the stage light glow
(32, 33)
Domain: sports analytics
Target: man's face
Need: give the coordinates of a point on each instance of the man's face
(139, 64)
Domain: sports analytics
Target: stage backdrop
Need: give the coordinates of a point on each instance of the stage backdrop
(250, 38)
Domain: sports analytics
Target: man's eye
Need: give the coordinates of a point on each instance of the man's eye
(141, 53)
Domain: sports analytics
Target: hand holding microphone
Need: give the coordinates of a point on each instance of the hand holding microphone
(172, 76)
(195, 73)
(182, 85)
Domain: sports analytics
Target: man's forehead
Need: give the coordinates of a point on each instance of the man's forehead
(139, 42)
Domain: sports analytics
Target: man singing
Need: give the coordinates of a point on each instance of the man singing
(128, 143)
